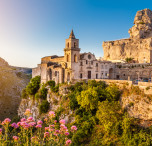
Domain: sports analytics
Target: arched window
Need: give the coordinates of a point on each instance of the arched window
(68, 58)
(68, 45)
(74, 44)
(75, 58)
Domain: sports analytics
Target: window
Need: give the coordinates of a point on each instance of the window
(124, 74)
(74, 44)
(80, 76)
(96, 64)
(91, 62)
(89, 56)
(56, 73)
(68, 58)
(68, 45)
(102, 66)
(75, 58)
(96, 76)
(81, 63)
(86, 61)
(106, 74)
(105, 66)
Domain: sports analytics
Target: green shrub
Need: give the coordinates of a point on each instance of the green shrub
(50, 83)
(37, 96)
(33, 86)
(43, 93)
(55, 89)
(24, 95)
(44, 106)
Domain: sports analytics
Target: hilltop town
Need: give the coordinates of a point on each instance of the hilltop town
(126, 59)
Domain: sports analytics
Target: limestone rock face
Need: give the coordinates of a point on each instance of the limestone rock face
(138, 46)
(143, 24)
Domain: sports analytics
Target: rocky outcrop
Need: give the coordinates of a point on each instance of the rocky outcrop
(138, 46)
(12, 81)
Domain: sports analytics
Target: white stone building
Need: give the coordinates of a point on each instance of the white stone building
(73, 66)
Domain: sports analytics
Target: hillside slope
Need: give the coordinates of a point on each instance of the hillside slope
(12, 81)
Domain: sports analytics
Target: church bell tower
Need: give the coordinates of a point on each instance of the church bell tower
(71, 51)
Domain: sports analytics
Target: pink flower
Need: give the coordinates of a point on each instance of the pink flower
(25, 125)
(62, 121)
(73, 128)
(32, 124)
(57, 132)
(68, 142)
(34, 139)
(46, 134)
(6, 121)
(30, 119)
(39, 122)
(38, 126)
(23, 120)
(51, 114)
(46, 128)
(0, 131)
(51, 129)
(66, 133)
(27, 112)
(55, 121)
(51, 126)
(14, 125)
(15, 138)
(19, 123)
(63, 128)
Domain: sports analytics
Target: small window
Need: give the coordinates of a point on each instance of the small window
(106, 74)
(75, 58)
(81, 63)
(68, 45)
(124, 74)
(80, 76)
(68, 58)
(96, 76)
(96, 64)
(86, 61)
(91, 62)
(74, 44)
(56, 73)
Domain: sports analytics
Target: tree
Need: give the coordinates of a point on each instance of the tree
(88, 99)
(33, 86)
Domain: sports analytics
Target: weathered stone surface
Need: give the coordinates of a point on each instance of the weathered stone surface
(138, 46)
(12, 81)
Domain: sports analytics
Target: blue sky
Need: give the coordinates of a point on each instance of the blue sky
(32, 29)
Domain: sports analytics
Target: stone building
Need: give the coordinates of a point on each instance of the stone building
(73, 65)
(133, 71)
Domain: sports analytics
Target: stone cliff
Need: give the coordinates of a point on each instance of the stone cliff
(138, 46)
(12, 81)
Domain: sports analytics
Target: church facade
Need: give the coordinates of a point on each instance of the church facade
(73, 66)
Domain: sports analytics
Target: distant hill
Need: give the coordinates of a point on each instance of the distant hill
(12, 81)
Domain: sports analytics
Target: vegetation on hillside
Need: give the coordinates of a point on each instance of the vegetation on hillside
(98, 115)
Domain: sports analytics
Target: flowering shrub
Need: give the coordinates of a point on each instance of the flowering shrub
(29, 132)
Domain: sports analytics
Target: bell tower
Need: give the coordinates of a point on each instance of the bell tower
(71, 51)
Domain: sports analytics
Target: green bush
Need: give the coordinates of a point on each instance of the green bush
(44, 106)
(33, 86)
(24, 95)
(50, 83)
(43, 93)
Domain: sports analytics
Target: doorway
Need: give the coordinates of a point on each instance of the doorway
(89, 74)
